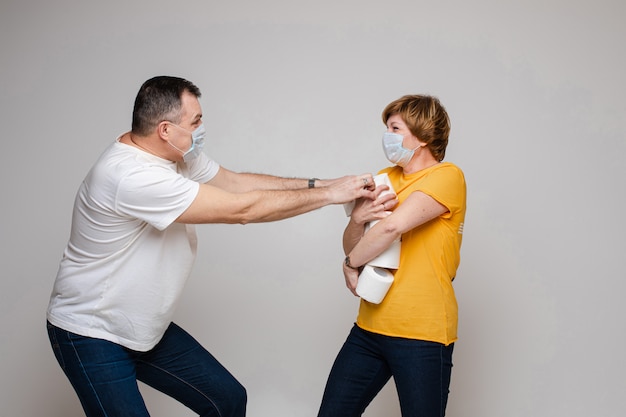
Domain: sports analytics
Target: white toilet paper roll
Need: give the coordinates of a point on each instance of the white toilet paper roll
(390, 258)
(348, 207)
(381, 179)
(374, 283)
(378, 180)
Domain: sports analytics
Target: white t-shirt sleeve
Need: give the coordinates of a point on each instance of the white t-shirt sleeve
(156, 195)
(202, 169)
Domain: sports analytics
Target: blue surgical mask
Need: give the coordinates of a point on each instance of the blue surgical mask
(394, 151)
(197, 143)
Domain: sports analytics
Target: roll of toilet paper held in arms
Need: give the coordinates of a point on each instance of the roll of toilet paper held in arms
(381, 179)
(373, 283)
(378, 180)
(390, 258)
(376, 279)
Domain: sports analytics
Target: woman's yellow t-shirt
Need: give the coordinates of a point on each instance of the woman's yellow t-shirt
(421, 303)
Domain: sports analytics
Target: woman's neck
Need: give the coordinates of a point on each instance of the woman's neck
(422, 160)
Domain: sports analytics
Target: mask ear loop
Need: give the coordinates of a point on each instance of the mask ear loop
(175, 147)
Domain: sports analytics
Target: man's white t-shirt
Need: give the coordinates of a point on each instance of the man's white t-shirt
(126, 261)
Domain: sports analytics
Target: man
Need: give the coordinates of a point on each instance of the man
(132, 246)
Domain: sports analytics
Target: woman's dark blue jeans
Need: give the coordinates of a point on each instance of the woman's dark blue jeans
(421, 371)
(105, 375)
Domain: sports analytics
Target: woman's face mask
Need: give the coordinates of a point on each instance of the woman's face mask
(197, 143)
(394, 151)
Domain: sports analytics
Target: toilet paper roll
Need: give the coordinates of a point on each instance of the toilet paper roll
(374, 283)
(390, 258)
(371, 224)
(378, 180)
(383, 179)
(348, 207)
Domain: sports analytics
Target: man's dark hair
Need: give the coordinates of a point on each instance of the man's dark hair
(159, 99)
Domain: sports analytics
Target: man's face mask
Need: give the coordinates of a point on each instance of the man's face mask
(197, 143)
(394, 151)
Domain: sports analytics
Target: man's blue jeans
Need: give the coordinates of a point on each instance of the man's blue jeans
(104, 375)
(421, 371)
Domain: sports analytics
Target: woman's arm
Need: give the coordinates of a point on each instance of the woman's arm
(417, 209)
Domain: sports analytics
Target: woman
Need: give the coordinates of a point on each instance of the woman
(410, 335)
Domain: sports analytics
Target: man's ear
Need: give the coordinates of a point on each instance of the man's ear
(163, 130)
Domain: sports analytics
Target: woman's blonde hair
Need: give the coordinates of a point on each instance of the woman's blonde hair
(426, 118)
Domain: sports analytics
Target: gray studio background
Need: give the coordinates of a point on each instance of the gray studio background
(535, 91)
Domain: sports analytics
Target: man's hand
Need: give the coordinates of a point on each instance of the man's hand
(351, 187)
